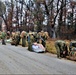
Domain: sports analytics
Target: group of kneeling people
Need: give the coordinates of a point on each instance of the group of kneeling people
(32, 41)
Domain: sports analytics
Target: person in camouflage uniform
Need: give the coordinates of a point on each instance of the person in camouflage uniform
(36, 37)
(30, 39)
(8, 34)
(43, 38)
(3, 36)
(61, 48)
(23, 36)
(72, 48)
(13, 42)
(17, 38)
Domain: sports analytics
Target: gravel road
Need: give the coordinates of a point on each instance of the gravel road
(18, 60)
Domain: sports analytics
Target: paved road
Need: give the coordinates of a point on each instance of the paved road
(18, 60)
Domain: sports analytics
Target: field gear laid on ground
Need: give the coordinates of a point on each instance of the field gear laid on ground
(61, 48)
(38, 48)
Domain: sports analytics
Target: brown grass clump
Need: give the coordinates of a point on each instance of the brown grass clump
(50, 46)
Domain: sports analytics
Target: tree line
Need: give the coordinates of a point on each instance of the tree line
(37, 15)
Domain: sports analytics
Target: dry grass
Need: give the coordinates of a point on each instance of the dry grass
(50, 46)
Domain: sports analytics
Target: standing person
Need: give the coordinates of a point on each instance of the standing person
(29, 42)
(23, 36)
(8, 34)
(13, 42)
(43, 38)
(35, 36)
(17, 38)
(61, 48)
(3, 34)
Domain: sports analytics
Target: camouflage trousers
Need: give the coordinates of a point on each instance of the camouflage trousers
(58, 49)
